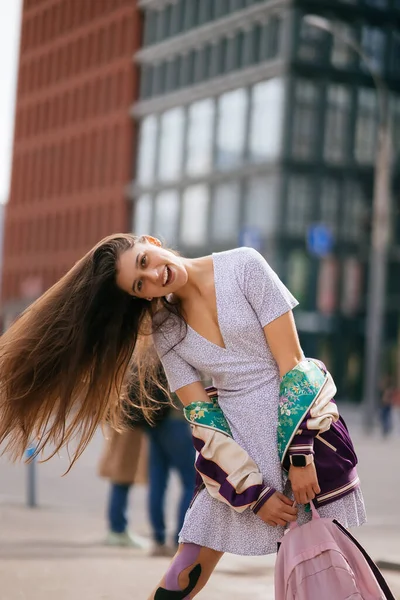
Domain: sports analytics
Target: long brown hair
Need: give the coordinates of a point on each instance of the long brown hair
(64, 361)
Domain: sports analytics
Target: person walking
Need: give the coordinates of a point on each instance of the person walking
(227, 315)
(170, 449)
(119, 464)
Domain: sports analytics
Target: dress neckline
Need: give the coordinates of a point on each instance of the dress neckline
(206, 340)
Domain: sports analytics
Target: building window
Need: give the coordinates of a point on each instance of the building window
(327, 285)
(395, 126)
(394, 59)
(267, 106)
(166, 216)
(353, 213)
(271, 37)
(147, 150)
(352, 286)
(329, 204)
(366, 126)
(299, 205)
(376, 3)
(337, 122)
(195, 215)
(313, 43)
(146, 81)
(262, 205)
(305, 119)
(373, 41)
(199, 152)
(298, 272)
(225, 212)
(143, 215)
(150, 27)
(231, 129)
(343, 54)
(171, 144)
(205, 11)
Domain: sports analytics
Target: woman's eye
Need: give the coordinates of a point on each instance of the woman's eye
(143, 261)
(139, 286)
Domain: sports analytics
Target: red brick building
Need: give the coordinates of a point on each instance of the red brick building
(74, 139)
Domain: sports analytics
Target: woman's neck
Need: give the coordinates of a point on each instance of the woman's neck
(200, 274)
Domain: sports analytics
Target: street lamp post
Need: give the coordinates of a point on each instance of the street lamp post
(380, 231)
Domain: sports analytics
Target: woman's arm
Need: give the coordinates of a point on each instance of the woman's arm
(283, 341)
(228, 472)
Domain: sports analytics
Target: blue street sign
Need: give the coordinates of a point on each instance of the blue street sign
(319, 239)
(251, 237)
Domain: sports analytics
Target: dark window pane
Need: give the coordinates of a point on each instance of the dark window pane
(313, 43)
(337, 122)
(366, 125)
(159, 76)
(206, 11)
(305, 119)
(394, 61)
(172, 74)
(166, 32)
(373, 41)
(199, 65)
(238, 50)
(150, 22)
(299, 205)
(270, 39)
(176, 18)
(221, 8)
(146, 82)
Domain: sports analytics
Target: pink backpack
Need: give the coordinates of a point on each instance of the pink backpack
(321, 560)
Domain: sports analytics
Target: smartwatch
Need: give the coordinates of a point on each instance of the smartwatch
(301, 460)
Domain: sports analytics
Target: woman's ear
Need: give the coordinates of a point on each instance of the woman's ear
(153, 240)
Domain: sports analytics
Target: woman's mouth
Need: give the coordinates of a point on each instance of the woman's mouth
(167, 278)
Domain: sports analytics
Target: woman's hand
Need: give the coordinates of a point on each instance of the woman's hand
(304, 483)
(278, 510)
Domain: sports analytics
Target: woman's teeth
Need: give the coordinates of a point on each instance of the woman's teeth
(165, 279)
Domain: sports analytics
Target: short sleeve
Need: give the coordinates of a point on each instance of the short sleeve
(178, 371)
(265, 292)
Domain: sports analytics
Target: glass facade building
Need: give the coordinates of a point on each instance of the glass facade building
(254, 125)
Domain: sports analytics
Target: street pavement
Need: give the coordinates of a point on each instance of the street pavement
(55, 551)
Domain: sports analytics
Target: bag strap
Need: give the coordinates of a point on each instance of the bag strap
(315, 515)
(378, 575)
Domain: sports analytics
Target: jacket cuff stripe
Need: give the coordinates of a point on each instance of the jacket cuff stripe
(266, 493)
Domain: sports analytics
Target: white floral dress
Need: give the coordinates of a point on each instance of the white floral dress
(249, 296)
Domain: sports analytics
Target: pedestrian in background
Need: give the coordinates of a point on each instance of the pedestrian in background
(170, 448)
(387, 401)
(119, 464)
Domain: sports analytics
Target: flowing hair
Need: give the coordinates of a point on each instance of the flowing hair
(64, 361)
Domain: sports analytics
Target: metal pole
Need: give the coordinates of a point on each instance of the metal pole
(375, 322)
(380, 233)
(31, 478)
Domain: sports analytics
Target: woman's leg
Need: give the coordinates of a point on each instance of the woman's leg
(188, 573)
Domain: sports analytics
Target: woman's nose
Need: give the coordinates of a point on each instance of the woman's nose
(153, 275)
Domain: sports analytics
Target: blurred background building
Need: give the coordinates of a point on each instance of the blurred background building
(73, 141)
(255, 128)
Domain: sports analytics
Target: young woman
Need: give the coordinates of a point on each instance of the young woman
(227, 315)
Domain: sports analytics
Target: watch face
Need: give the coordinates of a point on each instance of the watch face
(299, 460)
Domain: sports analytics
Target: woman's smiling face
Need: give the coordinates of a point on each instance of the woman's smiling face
(149, 271)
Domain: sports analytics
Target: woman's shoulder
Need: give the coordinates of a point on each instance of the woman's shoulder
(241, 255)
(240, 259)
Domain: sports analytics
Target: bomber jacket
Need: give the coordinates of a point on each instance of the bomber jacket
(308, 422)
